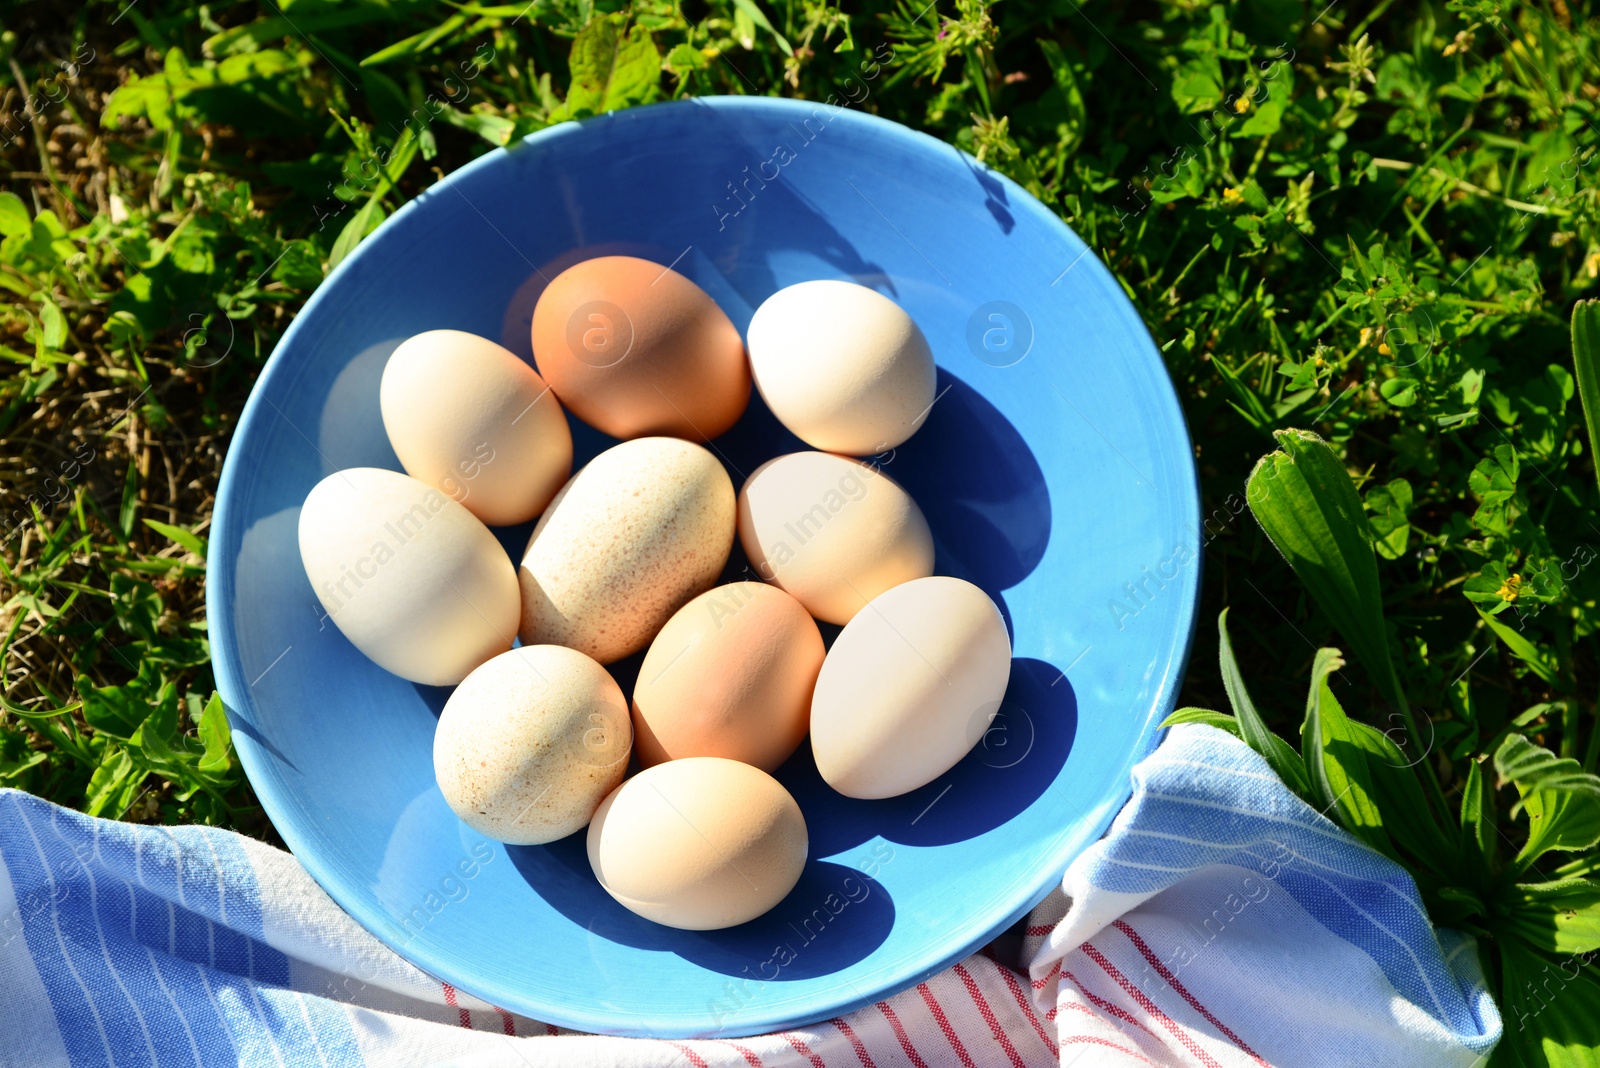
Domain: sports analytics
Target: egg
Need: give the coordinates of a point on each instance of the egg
(469, 418)
(530, 744)
(412, 578)
(699, 844)
(909, 687)
(636, 533)
(730, 675)
(842, 366)
(832, 531)
(634, 348)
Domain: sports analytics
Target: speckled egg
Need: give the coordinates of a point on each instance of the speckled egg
(698, 844)
(730, 675)
(634, 348)
(842, 366)
(467, 417)
(832, 531)
(636, 533)
(412, 578)
(909, 687)
(530, 744)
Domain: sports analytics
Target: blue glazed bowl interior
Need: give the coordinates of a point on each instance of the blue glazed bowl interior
(1054, 469)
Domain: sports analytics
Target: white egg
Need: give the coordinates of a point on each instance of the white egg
(909, 687)
(466, 416)
(842, 366)
(412, 578)
(530, 743)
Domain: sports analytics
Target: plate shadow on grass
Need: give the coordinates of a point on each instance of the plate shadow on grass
(833, 918)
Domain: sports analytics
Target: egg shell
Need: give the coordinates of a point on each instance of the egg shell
(469, 418)
(729, 675)
(909, 687)
(832, 531)
(634, 348)
(412, 578)
(641, 529)
(699, 844)
(530, 743)
(842, 366)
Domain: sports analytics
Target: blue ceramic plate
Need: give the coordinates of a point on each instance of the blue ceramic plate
(1054, 469)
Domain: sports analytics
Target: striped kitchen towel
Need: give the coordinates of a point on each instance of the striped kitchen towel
(1219, 922)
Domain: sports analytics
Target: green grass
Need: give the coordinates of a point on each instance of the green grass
(1368, 220)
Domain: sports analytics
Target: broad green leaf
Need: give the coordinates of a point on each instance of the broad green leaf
(1558, 917)
(1494, 482)
(116, 711)
(218, 739)
(1549, 1006)
(1282, 759)
(1532, 768)
(1335, 761)
(1390, 508)
(13, 215)
(1543, 664)
(114, 784)
(1561, 799)
(1396, 787)
(1400, 392)
(612, 67)
(1586, 362)
(1304, 500)
(1558, 820)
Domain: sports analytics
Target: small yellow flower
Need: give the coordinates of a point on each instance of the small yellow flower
(1241, 105)
(1510, 589)
(1591, 266)
(1231, 195)
(1383, 349)
(1366, 337)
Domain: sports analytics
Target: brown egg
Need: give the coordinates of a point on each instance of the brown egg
(730, 675)
(634, 349)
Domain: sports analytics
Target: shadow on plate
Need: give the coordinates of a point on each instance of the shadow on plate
(1019, 755)
(833, 918)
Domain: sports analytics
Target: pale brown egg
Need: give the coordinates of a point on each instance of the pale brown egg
(730, 675)
(699, 844)
(832, 531)
(469, 418)
(634, 348)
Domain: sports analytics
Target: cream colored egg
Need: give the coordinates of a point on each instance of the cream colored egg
(468, 418)
(530, 743)
(831, 531)
(641, 529)
(842, 366)
(699, 844)
(730, 675)
(412, 578)
(909, 687)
